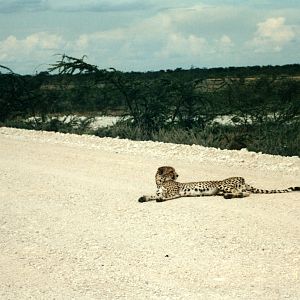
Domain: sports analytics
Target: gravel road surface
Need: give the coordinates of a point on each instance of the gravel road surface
(71, 226)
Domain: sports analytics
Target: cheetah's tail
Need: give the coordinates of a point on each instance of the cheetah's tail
(261, 191)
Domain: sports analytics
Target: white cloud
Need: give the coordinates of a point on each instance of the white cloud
(37, 41)
(179, 45)
(224, 44)
(34, 49)
(153, 38)
(161, 37)
(272, 35)
(178, 36)
(42, 40)
(225, 40)
(104, 37)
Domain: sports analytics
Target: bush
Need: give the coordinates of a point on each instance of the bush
(64, 124)
(269, 138)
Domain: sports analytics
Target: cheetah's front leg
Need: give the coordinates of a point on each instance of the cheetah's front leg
(156, 198)
(167, 198)
(148, 198)
(161, 196)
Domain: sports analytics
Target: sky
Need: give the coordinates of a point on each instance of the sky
(149, 35)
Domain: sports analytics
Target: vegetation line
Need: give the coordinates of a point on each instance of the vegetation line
(177, 106)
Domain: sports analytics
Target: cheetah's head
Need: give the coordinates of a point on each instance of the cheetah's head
(166, 173)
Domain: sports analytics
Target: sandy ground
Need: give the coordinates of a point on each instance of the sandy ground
(71, 226)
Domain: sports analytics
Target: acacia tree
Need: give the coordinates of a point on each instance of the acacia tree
(288, 100)
(152, 103)
(13, 94)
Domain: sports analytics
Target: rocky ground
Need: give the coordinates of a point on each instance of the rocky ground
(71, 226)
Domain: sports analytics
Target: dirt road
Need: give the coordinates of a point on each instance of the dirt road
(71, 226)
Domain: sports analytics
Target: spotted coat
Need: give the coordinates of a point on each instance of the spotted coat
(234, 187)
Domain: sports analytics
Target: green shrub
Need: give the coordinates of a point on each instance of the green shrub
(269, 138)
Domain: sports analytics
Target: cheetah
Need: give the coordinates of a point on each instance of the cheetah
(234, 187)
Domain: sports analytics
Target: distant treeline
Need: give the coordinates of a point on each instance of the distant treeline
(80, 87)
(263, 101)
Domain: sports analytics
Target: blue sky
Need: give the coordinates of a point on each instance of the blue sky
(137, 35)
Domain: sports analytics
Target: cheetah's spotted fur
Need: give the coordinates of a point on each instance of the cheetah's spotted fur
(234, 187)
